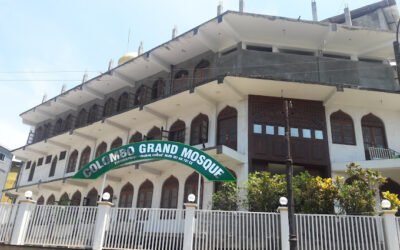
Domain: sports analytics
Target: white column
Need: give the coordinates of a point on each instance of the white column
(390, 230)
(25, 209)
(102, 218)
(284, 227)
(189, 226)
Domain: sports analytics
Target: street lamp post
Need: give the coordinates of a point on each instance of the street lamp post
(289, 175)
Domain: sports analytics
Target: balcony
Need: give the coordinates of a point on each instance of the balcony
(382, 153)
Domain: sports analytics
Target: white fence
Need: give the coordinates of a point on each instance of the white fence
(178, 229)
(236, 230)
(70, 226)
(7, 217)
(398, 228)
(319, 232)
(133, 228)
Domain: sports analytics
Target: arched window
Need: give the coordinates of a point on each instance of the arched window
(38, 134)
(51, 200)
(109, 107)
(177, 131)
(58, 127)
(123, 102)
(81, 120)
(40, 201)
(154, 134)
(181, 80)
(85, 157)
(69, 123)
(169, 196)
(92, 197)
(373, 132)
(76, 199)
(101, 149)
(199, 130)
(136, 137)
(227, 127)
(93, 114)
(140, 96)
(73, 159)
(157, 89)
(32, 171)
(191, 187)
(64, 200)
(126, 196)
(145, 195)
(53, 167)
(109, 190)
(116, 143)
(342, 128)
(202, 71)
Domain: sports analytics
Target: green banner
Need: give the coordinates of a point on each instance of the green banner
(133, 153)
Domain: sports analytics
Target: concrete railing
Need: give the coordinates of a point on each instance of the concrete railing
(105, 227)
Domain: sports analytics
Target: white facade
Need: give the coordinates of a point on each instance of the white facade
(5, 165)
(238, 34)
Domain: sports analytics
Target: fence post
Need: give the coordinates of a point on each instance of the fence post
(24, 212)
(102, 218)
(390, 230)
(189, 226)
(284, 227)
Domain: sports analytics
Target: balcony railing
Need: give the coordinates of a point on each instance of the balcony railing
(382, 153)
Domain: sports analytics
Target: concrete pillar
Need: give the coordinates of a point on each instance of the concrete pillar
(390, 230)
(347, 16)
(174, 32)
(284, 227)
(314, 10)
(189, 226)
(102, 219)
(25, 210)
(219, 8)
(241, 6)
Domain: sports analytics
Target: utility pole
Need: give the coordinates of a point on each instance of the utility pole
(289, 176)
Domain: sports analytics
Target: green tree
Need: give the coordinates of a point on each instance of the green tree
(357, 195)
(227, 197)
(314, 195)
(264, 190)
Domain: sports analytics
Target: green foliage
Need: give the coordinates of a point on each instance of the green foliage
(314, 195)
(393, 198)
(264, 191)
(357, 196)
(227, 198)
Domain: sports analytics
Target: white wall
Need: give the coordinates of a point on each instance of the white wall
(5, 166)
(137, 177)
(347, 153)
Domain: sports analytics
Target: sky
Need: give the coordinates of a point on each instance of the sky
(45, 43)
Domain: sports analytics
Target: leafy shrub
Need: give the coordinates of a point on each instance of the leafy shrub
(393, 198)
(227, 198)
